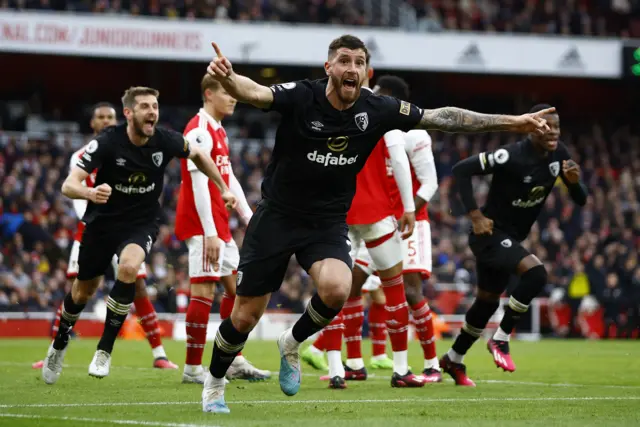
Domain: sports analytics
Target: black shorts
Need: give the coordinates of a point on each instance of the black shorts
(273, 237)
(100, 242)
(497, 259)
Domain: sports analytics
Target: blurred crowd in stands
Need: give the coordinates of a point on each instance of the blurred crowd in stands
(591, 254)
(569, 17)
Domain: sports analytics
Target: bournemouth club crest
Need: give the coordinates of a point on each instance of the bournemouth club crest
(362, 121)
(554, 168)
(157, 158)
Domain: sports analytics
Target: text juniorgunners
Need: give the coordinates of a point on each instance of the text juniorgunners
(319, 150)
(135, 174)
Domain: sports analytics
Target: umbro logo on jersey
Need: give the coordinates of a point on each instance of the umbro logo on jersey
(362, 121)
(317, 125)
(527, 179)
(120, 161)
(157, 158)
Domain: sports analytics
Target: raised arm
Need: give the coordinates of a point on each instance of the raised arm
(240, 87)
(453, 119)
(571, 177)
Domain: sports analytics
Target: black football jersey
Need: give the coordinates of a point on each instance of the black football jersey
(135, 174)
(522, 180)
(319, 150)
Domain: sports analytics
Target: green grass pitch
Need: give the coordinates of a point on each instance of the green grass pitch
(558, 383)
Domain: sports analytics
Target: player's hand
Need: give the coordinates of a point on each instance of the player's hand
(100, 194)
(212, 251)
(532, 122)
(406, 224)
(230, 200)
(220, 67)
(481, 224)
(571, 171)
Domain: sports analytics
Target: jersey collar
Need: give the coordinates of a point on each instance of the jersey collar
(213, 122)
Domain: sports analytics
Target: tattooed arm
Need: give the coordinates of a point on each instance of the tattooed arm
(453, 119)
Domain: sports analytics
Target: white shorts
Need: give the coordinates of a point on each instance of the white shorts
(72, 269)
(371, 238)
(373, 283)
(417, 253)
(200, 272)
(417, 257)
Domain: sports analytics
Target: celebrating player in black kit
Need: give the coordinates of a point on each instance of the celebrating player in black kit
(524, 174)
(121, 217)
(328, 129)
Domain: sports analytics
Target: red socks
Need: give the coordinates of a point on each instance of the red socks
(378, 328)
(332, 334)
(424, 327)
(148, 320)
(226, 305)
(397, 312)
(353, 315)
(197, 320)
(320, 343)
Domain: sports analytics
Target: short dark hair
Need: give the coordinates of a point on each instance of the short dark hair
(101, 105)
(540, 107)
(129, 97)
(350, 42)
(397, 86)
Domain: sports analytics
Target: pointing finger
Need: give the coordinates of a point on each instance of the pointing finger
(217, 49)
(546, 111)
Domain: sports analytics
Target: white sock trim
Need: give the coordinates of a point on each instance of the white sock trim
(501, 335)
(355, 363)
(432, 363)
(334, 357)
(455, 356)
(158, 352)
(401, 362)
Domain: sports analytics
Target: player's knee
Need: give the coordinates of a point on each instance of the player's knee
(203, 290)
(378, 297)
(413, 295)
(127, 271)
(334, 292)
(82, 290)
(245, 320)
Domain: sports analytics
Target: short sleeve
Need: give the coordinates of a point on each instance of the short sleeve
(201, 138)
(287, 95)
(95, 154)
(491, 161)
(401, 114)
(177, 145)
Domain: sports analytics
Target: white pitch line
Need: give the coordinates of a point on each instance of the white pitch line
(374, 377)
(334, 401)
(103, 420)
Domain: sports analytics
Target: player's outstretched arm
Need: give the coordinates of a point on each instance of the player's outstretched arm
(73, 187)
(240, 87)
(453, 119)
(205, 164)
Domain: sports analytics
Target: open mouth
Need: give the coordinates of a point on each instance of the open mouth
(349, 83)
